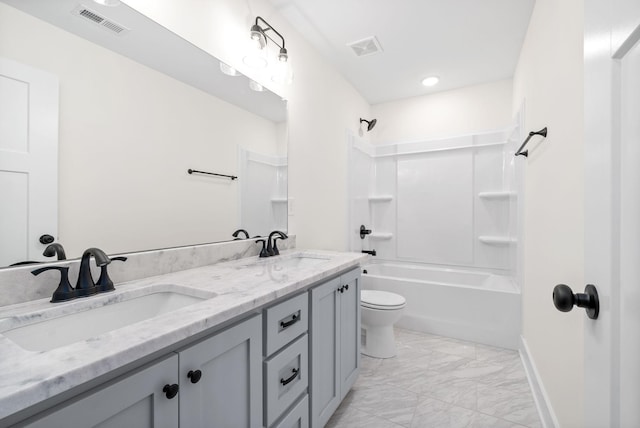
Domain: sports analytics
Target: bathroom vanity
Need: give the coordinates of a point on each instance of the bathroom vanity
(248, 343)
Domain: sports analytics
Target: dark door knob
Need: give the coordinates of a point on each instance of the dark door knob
(194, 375)
(564, 299)
(171, 390)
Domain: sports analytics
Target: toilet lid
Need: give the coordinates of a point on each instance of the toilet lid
(381, 299)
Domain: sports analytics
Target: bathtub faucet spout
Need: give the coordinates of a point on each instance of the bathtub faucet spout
(372, 252)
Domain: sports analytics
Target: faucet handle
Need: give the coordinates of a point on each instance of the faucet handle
(263, 252)
(276, 252)
(104, 282)
(64, 291)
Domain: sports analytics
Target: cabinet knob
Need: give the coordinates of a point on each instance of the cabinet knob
(171, 390)
(194, 376)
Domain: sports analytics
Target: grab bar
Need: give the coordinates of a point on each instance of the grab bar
(191, 171)
(525, 153)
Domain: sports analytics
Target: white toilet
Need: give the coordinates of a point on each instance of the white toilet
(380, 310)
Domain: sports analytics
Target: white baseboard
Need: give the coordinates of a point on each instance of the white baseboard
(545, 410)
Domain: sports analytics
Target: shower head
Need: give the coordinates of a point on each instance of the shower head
(370, 123)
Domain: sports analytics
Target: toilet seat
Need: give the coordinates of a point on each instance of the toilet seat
(381, 300)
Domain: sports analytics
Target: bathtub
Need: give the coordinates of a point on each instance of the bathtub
(476, 306)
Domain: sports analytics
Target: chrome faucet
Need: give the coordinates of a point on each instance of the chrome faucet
(272, 249)
(55, 249)
(85, 285)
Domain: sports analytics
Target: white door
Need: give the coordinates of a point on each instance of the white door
(612, 211)
(28, 161)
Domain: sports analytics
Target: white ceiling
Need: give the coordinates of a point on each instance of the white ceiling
(464, 42)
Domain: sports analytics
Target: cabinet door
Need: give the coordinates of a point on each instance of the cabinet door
(325, 348)
(134, 401)
(349, 331)
(229, 391)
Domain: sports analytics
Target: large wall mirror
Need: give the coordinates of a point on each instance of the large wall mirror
(137, 108)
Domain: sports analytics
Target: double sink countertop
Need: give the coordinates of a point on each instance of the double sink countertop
(214, 294)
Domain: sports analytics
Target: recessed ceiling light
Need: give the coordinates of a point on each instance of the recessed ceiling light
(430, 81)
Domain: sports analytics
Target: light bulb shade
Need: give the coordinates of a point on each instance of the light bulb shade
(258, 36)
(256, 56)
(282, 72)
(283, 56)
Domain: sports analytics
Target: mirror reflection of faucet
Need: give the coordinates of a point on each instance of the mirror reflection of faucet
(238, 232)
(55, 249)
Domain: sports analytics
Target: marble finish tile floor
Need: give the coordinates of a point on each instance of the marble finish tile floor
(438, 382)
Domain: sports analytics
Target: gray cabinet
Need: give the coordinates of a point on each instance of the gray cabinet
(137, 401)
(228, 393)
(225, 392)
(335, 343)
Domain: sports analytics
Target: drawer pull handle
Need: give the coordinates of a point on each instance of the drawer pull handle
(171, 390)
(294, 320)
(291, 378)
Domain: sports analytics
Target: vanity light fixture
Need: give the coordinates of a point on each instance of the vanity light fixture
(431, 81)
(257, 57)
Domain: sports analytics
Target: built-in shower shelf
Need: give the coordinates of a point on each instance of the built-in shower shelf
(278, 200)
(380, 198)
(497, 240)
(497, 195)
(382, 236)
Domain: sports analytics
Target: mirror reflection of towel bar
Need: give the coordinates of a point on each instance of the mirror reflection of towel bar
(525, 153)
(191, 171)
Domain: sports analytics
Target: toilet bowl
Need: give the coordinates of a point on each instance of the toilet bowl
(380, 310)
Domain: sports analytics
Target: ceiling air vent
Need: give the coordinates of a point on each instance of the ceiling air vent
(364, 47)
(96, 18)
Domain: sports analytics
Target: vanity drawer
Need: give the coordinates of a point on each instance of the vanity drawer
(284, 322)
(286, 377)
(297, 417)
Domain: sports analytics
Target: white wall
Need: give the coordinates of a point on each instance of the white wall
(127, 136)
(322, 106)
(549, 81)
(444, 114)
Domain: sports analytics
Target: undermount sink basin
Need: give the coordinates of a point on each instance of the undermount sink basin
(86, 323)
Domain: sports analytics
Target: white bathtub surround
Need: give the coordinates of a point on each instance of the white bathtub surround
(442, 383)
(471, 305)
(18, 285)
(448, 201)
(240, 288)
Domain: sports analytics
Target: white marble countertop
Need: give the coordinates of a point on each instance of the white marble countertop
(241, 286)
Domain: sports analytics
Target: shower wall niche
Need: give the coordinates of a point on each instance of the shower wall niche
(450, 201)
